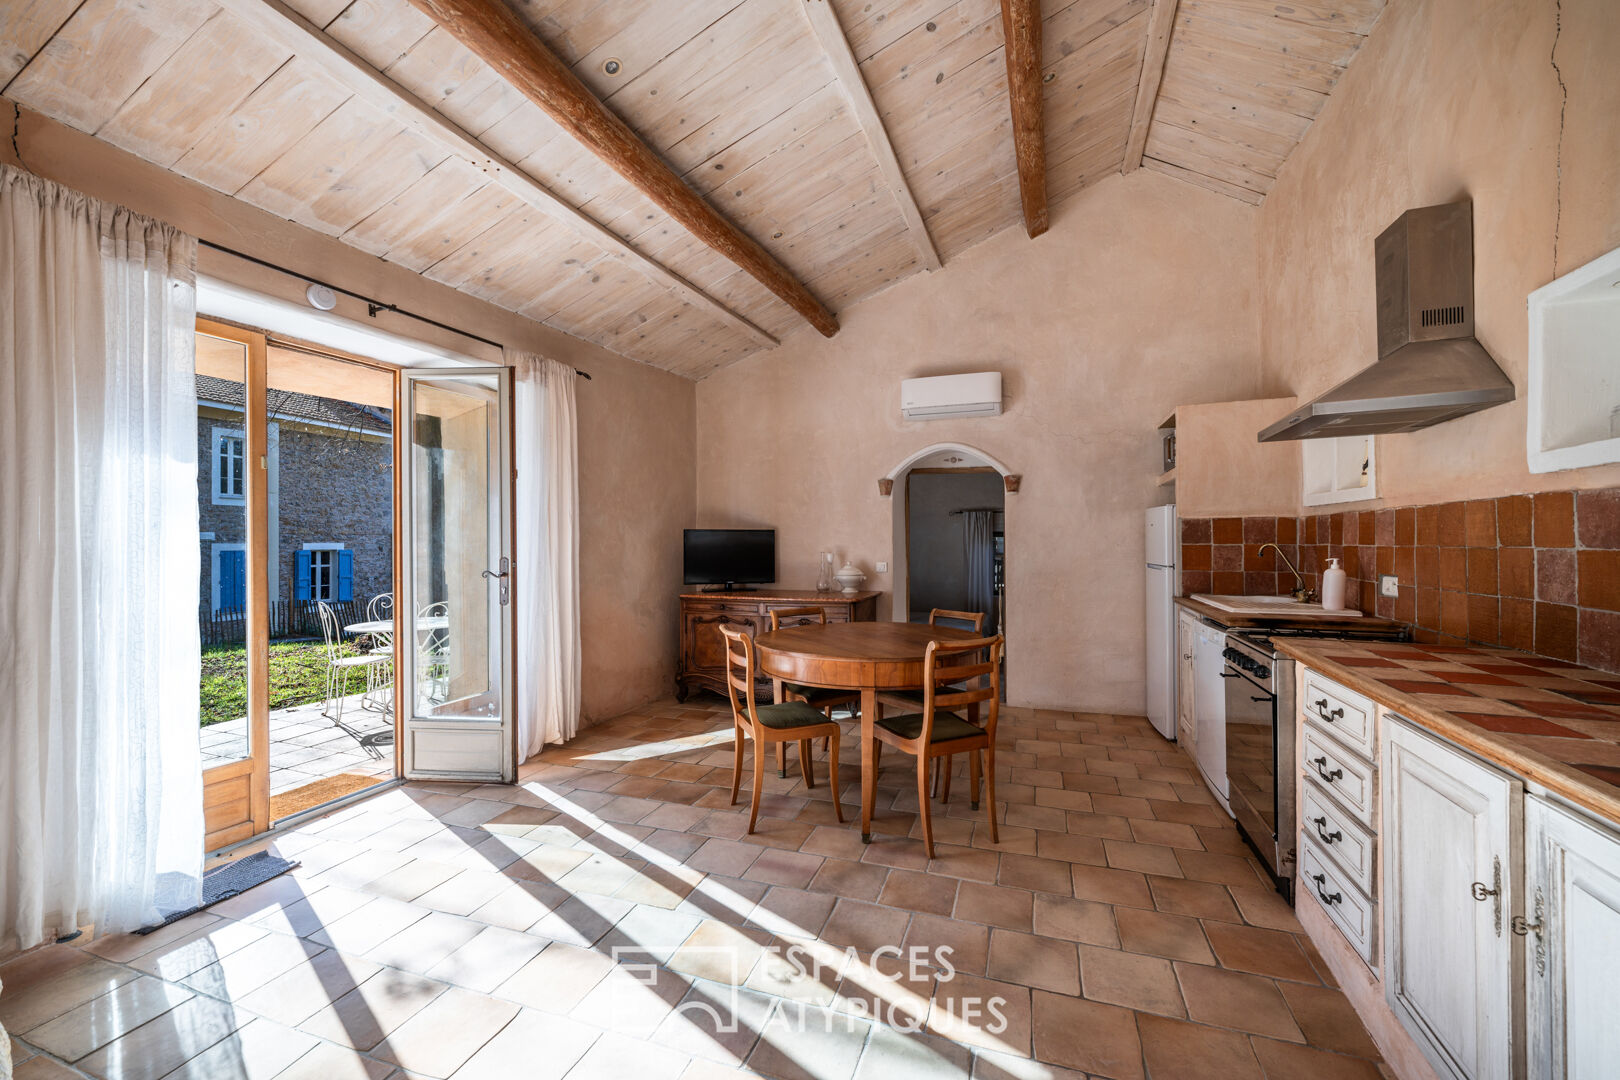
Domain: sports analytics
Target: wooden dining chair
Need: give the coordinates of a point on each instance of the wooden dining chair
(911, 700)
(822, 698)
(955, 674)
(781, 723)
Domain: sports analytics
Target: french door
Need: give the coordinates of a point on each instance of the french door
(456, 675)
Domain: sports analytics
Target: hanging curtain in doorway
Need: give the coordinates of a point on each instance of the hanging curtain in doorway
(546, 578)
(100, 771)
(979, 543)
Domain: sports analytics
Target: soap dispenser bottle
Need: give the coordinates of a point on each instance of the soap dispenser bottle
(1333, 587)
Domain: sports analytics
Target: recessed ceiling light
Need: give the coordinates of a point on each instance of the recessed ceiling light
(612, 66)
(319, 296)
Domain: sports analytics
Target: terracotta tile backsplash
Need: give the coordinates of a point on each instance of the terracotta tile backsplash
(1539, 573)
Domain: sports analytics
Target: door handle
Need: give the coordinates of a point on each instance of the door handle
(1322, 770)
(504, 576)
(1322, 833)
(1263, 697)
(1480, 892)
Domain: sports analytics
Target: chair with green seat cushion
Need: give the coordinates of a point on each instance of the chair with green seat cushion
(955, 674)
(913, 699)
(822, 698)
(779, 724)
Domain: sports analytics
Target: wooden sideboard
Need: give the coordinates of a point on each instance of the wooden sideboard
(703, 658)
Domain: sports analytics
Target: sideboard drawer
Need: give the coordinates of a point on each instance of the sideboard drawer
(1341, 713)
(1338, 835)
(1331, 768)
(1353, 913)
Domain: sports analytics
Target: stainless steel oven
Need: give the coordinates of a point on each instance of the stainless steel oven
(1260, 749)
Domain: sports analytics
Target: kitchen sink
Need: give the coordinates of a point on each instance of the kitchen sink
(1270, 605)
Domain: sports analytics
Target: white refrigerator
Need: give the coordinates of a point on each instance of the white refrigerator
(1163, 586)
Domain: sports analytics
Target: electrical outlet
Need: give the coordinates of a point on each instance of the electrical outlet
(883, 568)
(1389, 585)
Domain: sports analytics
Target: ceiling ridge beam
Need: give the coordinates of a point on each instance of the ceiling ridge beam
(497, 36)
(356, 75)
(847, 72)
(1021, 33)
(1160, 25)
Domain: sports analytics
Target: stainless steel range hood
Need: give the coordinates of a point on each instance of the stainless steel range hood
(1430, 369)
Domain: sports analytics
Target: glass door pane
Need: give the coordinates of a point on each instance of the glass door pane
(457, 613)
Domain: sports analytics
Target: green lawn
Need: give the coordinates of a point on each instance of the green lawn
(297, 677)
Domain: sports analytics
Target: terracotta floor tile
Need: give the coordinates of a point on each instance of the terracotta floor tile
(613, 1057)
(1235, 1000)
(931, 893)
(994, 905)
(100, 1020)
(260, 1048)
(1042, 962)
(966, 862)
(1327, 1019)
(328, 1061)
(1221, 869)
(1071, 848)
(1028, 872)
(982, 1012)
(1285, 1061)
(160, 1046)
(1154, 933)
(560, 976)
(777, 867)
(857, 880)
(1178, 1050)
(1167, 833)
(1037, 817)
(969, 943)
(865, 927)
(729, 857)
(1262, 906)
(895, 1055)
(54, 984)
(1261, 951)
(363, 1017)
(512, 1052)
(295, 996)
(1121, 805)
(1143, 858)
(1200, 899)
(1086, 1035)
(804, 1043)
(1147, 983)
(1110, 886)
(1075, 920)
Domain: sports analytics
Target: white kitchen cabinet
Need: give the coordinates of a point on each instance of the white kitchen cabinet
(1572, 940)
(1209, 710)
(1186, 642)
(1449, 823)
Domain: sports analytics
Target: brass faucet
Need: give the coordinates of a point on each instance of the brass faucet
(1300, 593)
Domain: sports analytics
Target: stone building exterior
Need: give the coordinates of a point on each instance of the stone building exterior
(331, 490)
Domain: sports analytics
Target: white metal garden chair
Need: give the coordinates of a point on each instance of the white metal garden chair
(338, 668)
(433, 653)
(380, 678)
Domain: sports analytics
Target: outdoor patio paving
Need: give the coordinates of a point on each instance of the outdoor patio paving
(305, 745)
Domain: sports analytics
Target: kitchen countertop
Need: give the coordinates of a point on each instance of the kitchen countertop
(1554, 723)
(1283, 621)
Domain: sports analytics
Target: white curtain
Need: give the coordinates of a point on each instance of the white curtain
(546, 578)
(979, 548)
(100, 772)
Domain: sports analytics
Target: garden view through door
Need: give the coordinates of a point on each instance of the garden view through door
(458, 576)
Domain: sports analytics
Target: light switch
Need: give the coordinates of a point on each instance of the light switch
(883, 568)
(1389, 585)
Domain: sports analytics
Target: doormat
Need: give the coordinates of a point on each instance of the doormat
(317, 792)
(231, 879)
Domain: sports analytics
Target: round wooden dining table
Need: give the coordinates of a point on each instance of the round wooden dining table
(872, 657)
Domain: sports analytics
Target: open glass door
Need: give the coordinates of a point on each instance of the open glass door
(455, 678)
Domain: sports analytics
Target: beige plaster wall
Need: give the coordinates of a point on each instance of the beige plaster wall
(1141, 298)
(637, 473)
(1448, 99)
(1222, 470)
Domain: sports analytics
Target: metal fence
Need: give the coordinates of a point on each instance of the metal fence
(288, 619)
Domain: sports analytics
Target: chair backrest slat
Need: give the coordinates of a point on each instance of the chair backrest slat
(819, 614)
(739, 649)
(978, 658)
(974, 619)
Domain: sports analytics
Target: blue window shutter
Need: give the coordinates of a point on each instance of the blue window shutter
(345, 583)
(232, 580)
(301, 575)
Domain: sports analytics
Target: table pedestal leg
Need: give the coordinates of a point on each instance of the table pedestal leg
(869, 707)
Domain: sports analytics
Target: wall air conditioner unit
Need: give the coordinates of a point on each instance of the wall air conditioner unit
(945, 396)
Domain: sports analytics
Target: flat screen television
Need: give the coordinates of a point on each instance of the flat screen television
(726, 557)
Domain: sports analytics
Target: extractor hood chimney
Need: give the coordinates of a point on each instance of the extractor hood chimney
(1430, 369)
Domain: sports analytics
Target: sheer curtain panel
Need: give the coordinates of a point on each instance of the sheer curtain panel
(100, 781)
(546, 584)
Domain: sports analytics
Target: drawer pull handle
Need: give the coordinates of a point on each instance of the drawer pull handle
(1322, 770)
(1321, 831)
(1325, 897)
(1322, 711)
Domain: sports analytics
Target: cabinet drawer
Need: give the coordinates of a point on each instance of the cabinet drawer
(1350, 911)
(1332, 768)
(1343, 714)
(1343, 839)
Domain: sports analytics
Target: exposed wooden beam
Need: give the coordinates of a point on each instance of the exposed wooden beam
(276, 20)
(1160, 23)
(824, 21)
(1021, 28)
(496, 35)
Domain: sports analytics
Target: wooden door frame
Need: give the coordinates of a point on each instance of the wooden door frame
(256, 630)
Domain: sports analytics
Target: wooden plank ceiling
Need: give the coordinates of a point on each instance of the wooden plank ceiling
(743, 98)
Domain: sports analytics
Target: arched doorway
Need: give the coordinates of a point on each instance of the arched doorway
(946, 461)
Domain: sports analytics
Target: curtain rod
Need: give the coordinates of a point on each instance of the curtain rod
(976, 510)
(372, 305)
